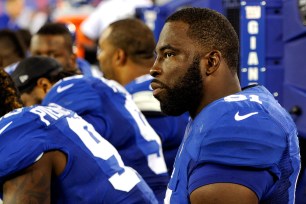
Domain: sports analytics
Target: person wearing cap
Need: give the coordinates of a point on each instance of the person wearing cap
(49, 154)
(103, 103)
(34, 71)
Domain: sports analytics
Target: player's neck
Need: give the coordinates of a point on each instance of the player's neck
(215, 91)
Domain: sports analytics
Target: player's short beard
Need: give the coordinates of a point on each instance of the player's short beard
(186, 94)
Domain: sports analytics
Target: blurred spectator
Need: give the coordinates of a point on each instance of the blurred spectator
(109, 11)
(12, 50)
(68, 8)
(17, 15)
(105, 13)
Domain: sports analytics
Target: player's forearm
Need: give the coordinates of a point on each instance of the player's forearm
(25, 190)
(29, 186)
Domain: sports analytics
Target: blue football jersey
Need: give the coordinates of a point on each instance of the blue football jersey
(170, 129)
(245, 130)
(85, 67)
(94, 172)
(111, 110)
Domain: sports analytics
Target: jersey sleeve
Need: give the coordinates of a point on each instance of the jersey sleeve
(207, 174)
(256, 141)
(20, 148)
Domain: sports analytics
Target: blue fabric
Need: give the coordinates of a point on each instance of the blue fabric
(91, 161)
(301, 188)
(109, 107)
(6, 23)
(248, 129)
(84, 66)
(260, 183)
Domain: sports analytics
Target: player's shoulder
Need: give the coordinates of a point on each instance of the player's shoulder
(142, 83)
(25, 134)
(246, 114)
(76, 80)
(112, 88)
(33, 117)
(14, 119)
(251, 105)
(71, 89)
(68, 85)
(32, 121)
(259, 99)
(19, 118)
(241, 121)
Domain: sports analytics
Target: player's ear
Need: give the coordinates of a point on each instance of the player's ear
(213, 61)
(44, 84)
(120, 57)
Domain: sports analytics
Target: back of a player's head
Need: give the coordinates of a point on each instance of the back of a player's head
(211, 30)
(9, 95)
(57, 29)
(25, 35)
(12, 43)
(134, 37)
(29, 70)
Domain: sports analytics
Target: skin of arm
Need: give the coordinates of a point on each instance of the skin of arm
(33, 184)
(221, 193)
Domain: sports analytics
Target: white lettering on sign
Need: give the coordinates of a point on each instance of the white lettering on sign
(253, 12)
(253, 73)
(253, 28)
(253, 43)
(253, 58)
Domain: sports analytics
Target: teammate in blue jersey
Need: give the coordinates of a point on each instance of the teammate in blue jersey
(126, 55)
(106, 105)
(170, 129)
(55, 40)
(49, 154)
(241, 146)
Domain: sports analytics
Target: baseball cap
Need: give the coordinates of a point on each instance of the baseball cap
(30, 69)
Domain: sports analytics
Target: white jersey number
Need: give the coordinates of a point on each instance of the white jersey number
(102, 149)
(156, 161)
